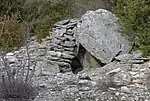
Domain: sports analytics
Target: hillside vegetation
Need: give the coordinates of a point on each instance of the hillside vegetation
(134, 17)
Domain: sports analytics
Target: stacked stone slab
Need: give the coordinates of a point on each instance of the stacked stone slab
(63, 44)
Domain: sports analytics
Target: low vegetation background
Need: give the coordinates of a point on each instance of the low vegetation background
(134, 17)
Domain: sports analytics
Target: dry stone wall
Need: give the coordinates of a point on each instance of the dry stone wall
(63, 48)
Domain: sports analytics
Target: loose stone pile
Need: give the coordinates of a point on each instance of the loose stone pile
(121, 80)
(126, 79)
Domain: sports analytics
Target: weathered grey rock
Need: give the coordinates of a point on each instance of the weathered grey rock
(113, 71)
(69, 32)
(99, 34)
(11, 58)
(135, 61)
(125, 89)
(46, 69)
(83, 76)
(67, 56)
(57, 41)
(69, 37)
(61, 87)
(69, 49)
(53, 58)
(41, 52)
(61, 32)
(71, 26)
(96, 73)
(68, 44)
(121, 79)
(54, 54)
(65, 60)
(58, 50)
(90, 61)
(137, 54)
(53, 45)
(69, 53)
(85, 89)
(62, 64)
(60, 38)
(124, 57)
(64, 22)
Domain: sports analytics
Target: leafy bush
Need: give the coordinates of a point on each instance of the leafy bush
(12, 33)
(134, 16)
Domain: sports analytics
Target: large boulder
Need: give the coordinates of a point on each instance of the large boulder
(99, 33)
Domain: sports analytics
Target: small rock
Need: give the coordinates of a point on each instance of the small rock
(69, 49)
(56, 41)
(125, 89)
(60, 38)
(64, 22)
(69, 44)
(11, 58)
(41, 52)
(84, 88)
(58, 50)
(10, 54)
(124, 57)
(69, 37)
(113, 89)
(53, 58)
(148, 64)
(133, 73)
(121, 79)
(62, 63)
(67, 56)
(83, 81)
(68, 52)
(136, 61)
(138, 81)
(83, 76)
(53, 53)
(117, 93)
(114, 71)
(136, 76)
(137, 54)
(64, 60)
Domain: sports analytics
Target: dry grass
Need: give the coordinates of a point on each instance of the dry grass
(12, 32)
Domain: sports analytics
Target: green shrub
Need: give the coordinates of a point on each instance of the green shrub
(40, 13)
(134, 16)
(10, 6)
(44, 13)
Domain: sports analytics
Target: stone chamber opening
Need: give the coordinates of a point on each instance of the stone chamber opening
(77, 62)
